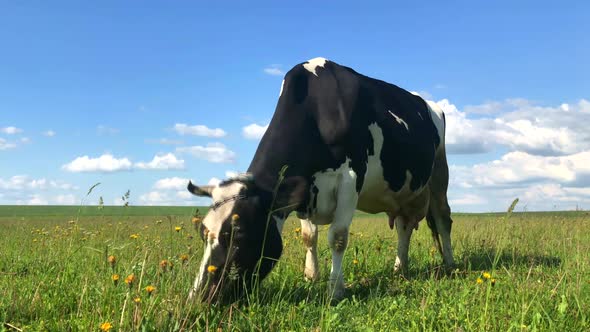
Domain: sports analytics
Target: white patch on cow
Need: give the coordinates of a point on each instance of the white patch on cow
(282, 85)
(437, 116)
(312, 64)
(336, 202)
(213, 222)
(399, 120)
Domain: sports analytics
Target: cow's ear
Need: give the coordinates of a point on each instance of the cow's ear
(293, 191)
(200, 191)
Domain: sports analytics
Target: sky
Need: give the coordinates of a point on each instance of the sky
(142, 96)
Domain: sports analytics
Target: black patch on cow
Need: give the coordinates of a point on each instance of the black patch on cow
(322, 120)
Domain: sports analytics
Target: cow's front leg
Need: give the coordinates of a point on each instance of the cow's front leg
(338, 232)
(309, 233)
(404, 227)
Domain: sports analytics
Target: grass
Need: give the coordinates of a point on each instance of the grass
(55, 275)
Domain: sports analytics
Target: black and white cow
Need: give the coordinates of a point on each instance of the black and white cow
(350, 142)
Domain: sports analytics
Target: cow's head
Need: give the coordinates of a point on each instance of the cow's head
(241, 239)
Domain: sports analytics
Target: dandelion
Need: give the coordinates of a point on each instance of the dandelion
(130, 279)
(184, 258)
(211, 268)
(195, 220)
(177, 228)
(134, 236)
(355, 261)
(235, 217)
(137, 300)
(486, 275)
(479, 280)
(115, 278)
(150, 289)
(164, 265)
(106, 326)
(493, 281)
(112, 260)
(297, 230)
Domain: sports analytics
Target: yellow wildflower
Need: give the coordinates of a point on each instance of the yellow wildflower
(150, 289)
(137, 300)
(184, 258)
(235, 217)
(493, 282)
(130, 279)
(177, 228)
(134, 236)
(112, 260)
(298, 230)
(115, 278)
(486, 275)
(196, 220)
(211, 268)
(164, 265)
(355, 261)
(106, 326)
(479, 280)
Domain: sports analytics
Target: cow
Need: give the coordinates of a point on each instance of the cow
(338, 141)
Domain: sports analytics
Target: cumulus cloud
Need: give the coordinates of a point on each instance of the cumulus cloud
(106, 131)
(214, 181)
(171, 191)
(165, 141)
(25, 182)
(198, 130)
(49, 133)
(274, 70)
(519, 125)
(162, 162)
(10, 130)
(106, 163)
(213, 152)
(254, 131)
(6, 145)
(175, 183)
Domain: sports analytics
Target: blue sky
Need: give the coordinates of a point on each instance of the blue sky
(133, 80)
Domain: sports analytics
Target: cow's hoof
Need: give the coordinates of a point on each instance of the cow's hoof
(311, 277)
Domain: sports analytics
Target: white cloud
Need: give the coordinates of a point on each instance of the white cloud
(171, 183)
(254, 131)
(214, 181)
(162, 162)
(49, 133)
(274, 70)
(213, 152)
(67, 199)
(231, 174)
(10, 130)
(468, 199)
(36, 199)
(519, 125)
(198, 130)
(105, 163)
(25, 140)
(104, 130)
(5, 145)
(24, 182)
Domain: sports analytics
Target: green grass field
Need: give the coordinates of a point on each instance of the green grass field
(55, 275)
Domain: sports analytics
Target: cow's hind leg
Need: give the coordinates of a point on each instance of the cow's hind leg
(309, 233)
(439, 213)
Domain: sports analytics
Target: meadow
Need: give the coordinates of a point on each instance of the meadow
(130, 269)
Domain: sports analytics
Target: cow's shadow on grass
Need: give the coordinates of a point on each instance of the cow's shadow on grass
(385, 281)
